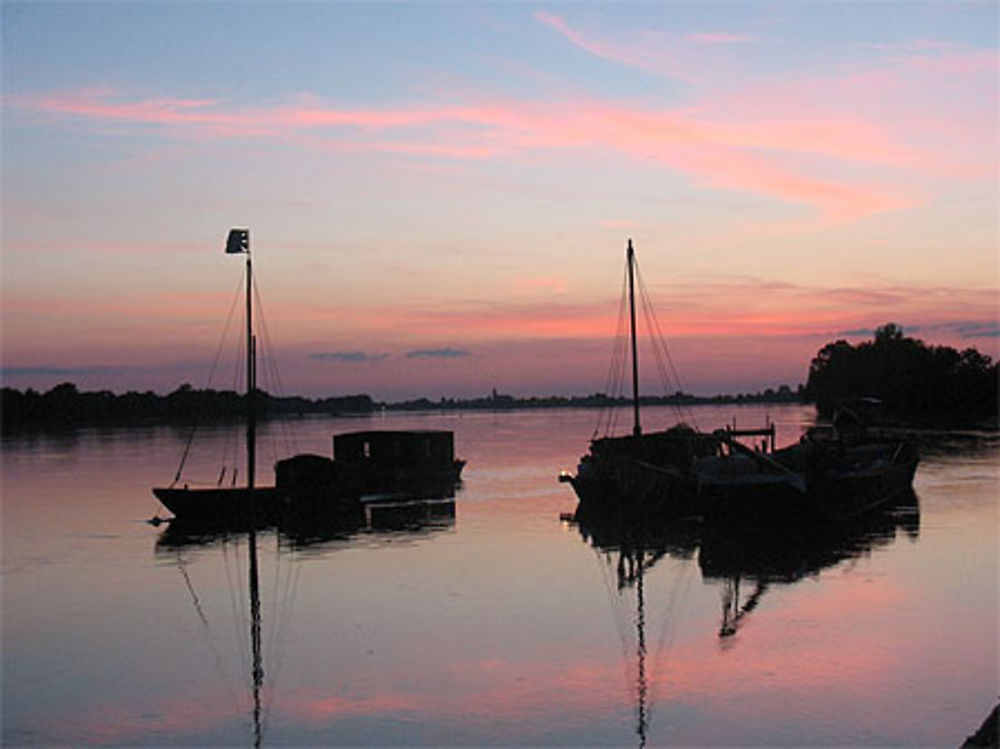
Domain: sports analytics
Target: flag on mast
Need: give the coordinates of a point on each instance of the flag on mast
(238, 241)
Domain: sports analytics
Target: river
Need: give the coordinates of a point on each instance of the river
(500, 624)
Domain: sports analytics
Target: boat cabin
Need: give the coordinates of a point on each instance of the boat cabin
(395, 448)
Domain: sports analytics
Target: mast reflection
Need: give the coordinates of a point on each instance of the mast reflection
(761, 556)
(747, 559)
(299, 533)
(634, 546)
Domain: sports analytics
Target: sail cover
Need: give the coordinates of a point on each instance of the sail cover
(238, 241)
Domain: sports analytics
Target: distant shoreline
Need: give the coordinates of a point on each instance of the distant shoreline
(64, 406)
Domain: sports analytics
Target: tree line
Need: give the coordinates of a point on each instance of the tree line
(922, 385)
(65, 405)
(501, 402)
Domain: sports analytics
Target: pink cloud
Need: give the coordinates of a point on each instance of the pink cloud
(690, 308)
(718, 38)
(793, 140)
(715, 153)
(653, 53)
(879, 107)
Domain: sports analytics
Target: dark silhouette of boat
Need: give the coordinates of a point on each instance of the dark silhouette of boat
(680, 471)
(670, 472)
(415, 464)
(230, 503)
(387, 464)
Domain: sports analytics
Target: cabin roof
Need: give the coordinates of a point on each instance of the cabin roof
(387, 433)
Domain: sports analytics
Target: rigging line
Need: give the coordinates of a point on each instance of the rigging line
(622, 363)
(274, 592)
(271, 365)
(239, 377)
(211, 376)
(659, 348)
(268, 379)
(680, 589)
(293, 576)
(656, 334)
(670, 361)
(278, 653)
(619, 361)
(236, 605)
(614, 597)
(280, 601)
(206, 630)
(271, 639)
(660, 339)
(611, 381)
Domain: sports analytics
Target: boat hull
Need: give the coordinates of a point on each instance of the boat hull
(637, 491)
(222, 504)
(802, 482)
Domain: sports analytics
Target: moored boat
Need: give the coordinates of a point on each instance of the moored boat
(670, 473)
(237, 504)
(373, 463)
(680, 471)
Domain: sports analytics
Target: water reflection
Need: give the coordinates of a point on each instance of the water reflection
(785, 554)
(746, 560)
(317, 530)
(632, 546)
(295, 533)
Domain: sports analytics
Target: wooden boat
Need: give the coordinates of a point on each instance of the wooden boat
(396, 464)
(670, 472)
(230, 503)
(680, 471)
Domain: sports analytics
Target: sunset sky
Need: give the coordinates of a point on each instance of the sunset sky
(439, 195)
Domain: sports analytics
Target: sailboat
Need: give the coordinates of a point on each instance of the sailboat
(680, 471)
(245, 504)
(669, 473)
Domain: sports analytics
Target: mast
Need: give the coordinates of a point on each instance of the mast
(257, 675)
(251, 381)
(238, 242)
(630, 259)
(642, 687)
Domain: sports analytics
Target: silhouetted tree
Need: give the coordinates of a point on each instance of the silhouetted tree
(65, 406)
(924, 384)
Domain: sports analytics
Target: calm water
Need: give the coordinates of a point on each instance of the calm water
(501, 626)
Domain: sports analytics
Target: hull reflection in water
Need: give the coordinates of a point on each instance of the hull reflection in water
(758, 556)
(766, 555)
(297, 533)
(416, 517)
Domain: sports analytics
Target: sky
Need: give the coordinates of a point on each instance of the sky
(439, 195)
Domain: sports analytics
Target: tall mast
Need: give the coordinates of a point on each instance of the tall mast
(251, 381)
(238, 242)
(257, 675)
(630, 259)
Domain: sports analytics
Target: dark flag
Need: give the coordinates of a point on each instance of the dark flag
(238, 241)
